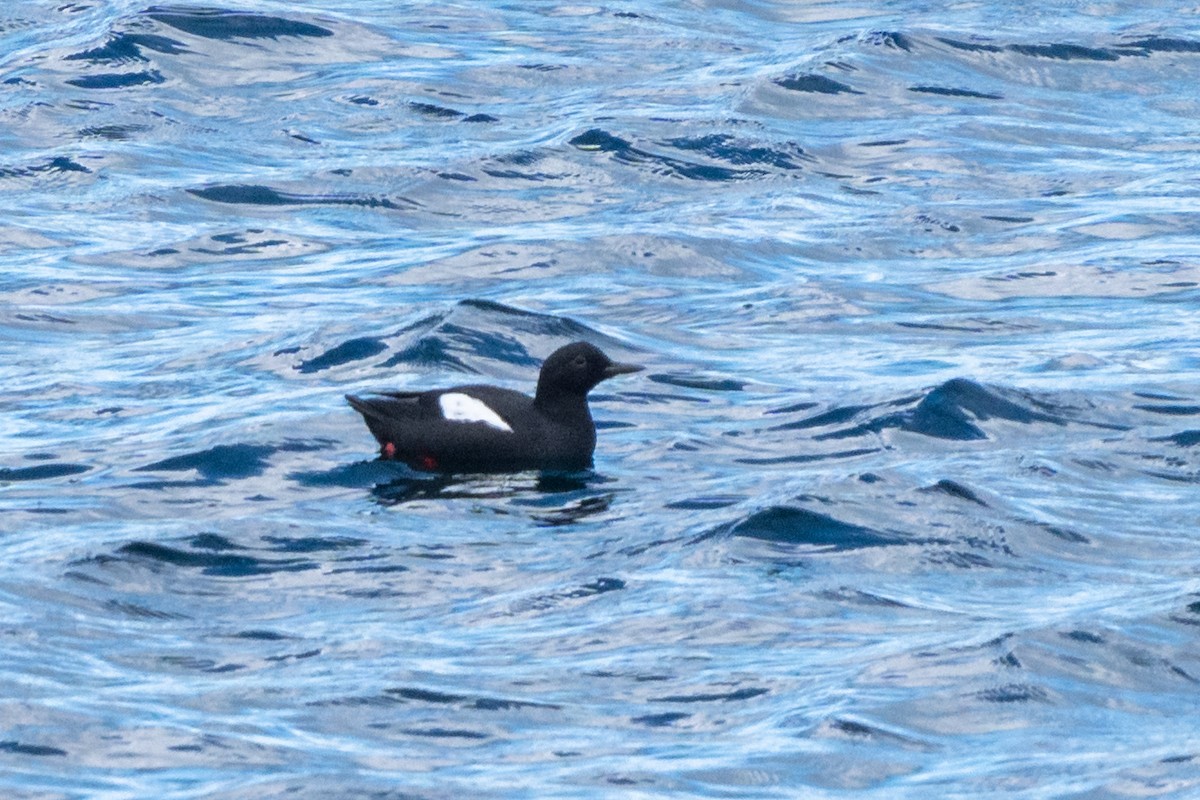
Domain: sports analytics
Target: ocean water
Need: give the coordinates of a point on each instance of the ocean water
(905, 503)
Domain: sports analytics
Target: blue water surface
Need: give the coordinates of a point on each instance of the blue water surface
(904, 505)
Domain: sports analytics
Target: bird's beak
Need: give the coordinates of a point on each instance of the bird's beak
(617, 368)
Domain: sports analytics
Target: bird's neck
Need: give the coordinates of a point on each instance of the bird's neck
(562, 406)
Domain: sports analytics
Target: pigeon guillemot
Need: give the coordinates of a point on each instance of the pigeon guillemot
(489, 429)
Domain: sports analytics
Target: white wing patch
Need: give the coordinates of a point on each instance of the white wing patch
(460, 407)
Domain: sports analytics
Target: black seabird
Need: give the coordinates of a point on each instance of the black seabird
(490, 429)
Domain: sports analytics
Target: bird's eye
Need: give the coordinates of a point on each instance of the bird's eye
(580, 362)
